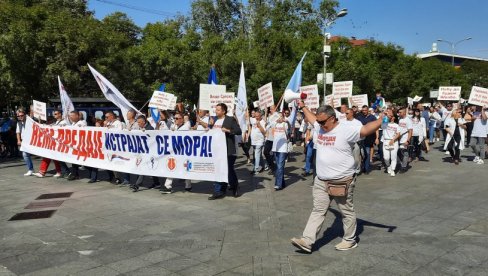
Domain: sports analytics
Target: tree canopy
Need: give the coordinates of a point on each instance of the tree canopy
(40, 39)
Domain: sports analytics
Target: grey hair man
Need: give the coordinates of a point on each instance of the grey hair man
(336, 174)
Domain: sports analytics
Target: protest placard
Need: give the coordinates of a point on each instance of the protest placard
(342, 89)
(39, 110)
(358, 100)
(163, 100)
(449, 93)
(265, 94)
(478, 96)
(336, 101)
(226, 98)
(204, 96)
(312, 91)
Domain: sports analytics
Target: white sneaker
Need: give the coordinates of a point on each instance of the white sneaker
(480, 162)
(57, 175)
(38, 174)
(389, 170)
(476, 159)
(447, 152)
(28, 173)
(392, 173)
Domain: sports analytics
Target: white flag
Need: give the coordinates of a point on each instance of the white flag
(66, 103)
(113, 94)
(241, 101)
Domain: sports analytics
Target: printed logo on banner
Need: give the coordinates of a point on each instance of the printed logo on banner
(152, 163)
(138, 160)
(171, 163)
(188, 165)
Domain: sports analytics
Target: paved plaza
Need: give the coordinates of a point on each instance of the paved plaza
(431, 221)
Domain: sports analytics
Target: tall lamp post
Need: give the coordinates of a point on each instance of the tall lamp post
(453, 46)
(327, 20)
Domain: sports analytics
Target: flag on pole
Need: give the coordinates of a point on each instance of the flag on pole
(294, 85)
(66, 103)
(113, 94)
(212, 76)
(241, 101)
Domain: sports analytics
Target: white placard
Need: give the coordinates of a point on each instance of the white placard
(434, 94)
(449, 93)
(163, 100)
(336, 101)
(329, 78)
(417, 99)
(39, 110)
(204, 96)
(256, 104)
(410, 101)
(358, 100)
(227, 98)
(478, 96)
(312, 91)
(265, 94)
(342, 89)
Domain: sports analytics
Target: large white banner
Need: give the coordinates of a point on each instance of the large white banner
(342, 89)
(478, 96)
(265, 94)
(39, 110)
(312, 91)
(193, 155)
(163, 100)
(449, 93)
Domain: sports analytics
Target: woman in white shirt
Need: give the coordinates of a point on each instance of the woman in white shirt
(418, 134)
(455, 127)
(389, 139)
(280, 149)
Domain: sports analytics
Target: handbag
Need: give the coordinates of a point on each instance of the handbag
(339, 187)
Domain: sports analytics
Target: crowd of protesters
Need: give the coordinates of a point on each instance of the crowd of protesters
(404, 137)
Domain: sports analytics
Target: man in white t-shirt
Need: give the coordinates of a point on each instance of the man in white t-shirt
(335, 164)
(280, 148)
(258, 129)
(268, 144)
(111, 122)
(478, 135)
(406, 130)
(202, 120)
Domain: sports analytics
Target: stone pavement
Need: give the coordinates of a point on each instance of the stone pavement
(431, 221)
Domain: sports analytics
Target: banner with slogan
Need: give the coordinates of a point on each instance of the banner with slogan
(449, 93)
(195, 155)
(39, 110)
(163, 100)
(358, 100)
(342, 89)
(478, 96)
(265, 95)
(312, 91)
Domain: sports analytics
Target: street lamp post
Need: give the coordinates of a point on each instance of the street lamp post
(453, 46)
(326, 22)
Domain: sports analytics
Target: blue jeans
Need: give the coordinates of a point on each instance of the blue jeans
(258, 150)
(280, 158)
(28, 161)
(366, 155)
(431, 131)
(309, 157)
(221, 187)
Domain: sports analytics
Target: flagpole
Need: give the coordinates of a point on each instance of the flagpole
(143, 106)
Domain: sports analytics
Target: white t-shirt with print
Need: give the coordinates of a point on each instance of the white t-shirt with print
(257, 137)
(334, 151)
(80, 123)
(117, 125)
(390, 131)
(280, 142)
(218, 124)
(405, 125)
(479, 125)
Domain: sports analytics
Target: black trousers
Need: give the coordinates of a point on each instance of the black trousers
(268, 146)
(453, 147)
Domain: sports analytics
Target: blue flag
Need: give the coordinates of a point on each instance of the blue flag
(212, 76)
(154, 111)
(294, 85)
